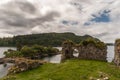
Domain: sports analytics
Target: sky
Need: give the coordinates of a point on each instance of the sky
(98, 18)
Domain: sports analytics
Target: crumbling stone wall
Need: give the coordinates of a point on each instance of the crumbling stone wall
(67, 50)
(88, 49)
(92, 49)
(92, 52)
(117, 52)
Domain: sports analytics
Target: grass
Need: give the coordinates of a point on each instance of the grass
(71, 70)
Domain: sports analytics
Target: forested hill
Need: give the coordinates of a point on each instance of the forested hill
(45, 39)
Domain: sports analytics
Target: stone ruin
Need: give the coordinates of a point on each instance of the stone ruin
(23, 64)
(88, 49)
(93, 50)
(67, 50)
(117, 52)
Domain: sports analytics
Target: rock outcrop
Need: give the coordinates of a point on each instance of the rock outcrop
(67, 50)
(117, 52)
(92, 49)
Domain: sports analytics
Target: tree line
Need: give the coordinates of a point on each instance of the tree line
(44, 39)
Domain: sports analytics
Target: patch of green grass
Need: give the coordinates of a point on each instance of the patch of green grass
(71, 70)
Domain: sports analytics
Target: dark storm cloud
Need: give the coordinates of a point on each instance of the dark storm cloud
(14, 16)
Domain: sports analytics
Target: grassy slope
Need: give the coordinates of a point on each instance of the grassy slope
(71, 70)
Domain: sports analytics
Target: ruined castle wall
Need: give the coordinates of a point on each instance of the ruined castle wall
(88, 49)
(92, 52)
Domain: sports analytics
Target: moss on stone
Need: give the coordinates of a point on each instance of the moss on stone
(68, 42)
(117, 41)
(93, 41)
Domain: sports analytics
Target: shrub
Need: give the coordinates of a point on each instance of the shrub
(27, 51)
(12, 53)
(35, 51)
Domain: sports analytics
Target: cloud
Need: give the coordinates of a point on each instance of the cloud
(14, 16)
(41, 16)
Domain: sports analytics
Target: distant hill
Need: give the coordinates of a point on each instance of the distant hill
(45, 39)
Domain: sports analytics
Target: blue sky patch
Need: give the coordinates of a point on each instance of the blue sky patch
(103, 17)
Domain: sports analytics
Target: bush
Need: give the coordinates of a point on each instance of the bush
(51, 51)
(27, 51)
(12, 53)
(32, 52)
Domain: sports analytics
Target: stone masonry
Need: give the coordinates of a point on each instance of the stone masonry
(88, 49)
(67, 50)
(117, 52)
(92, 52)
